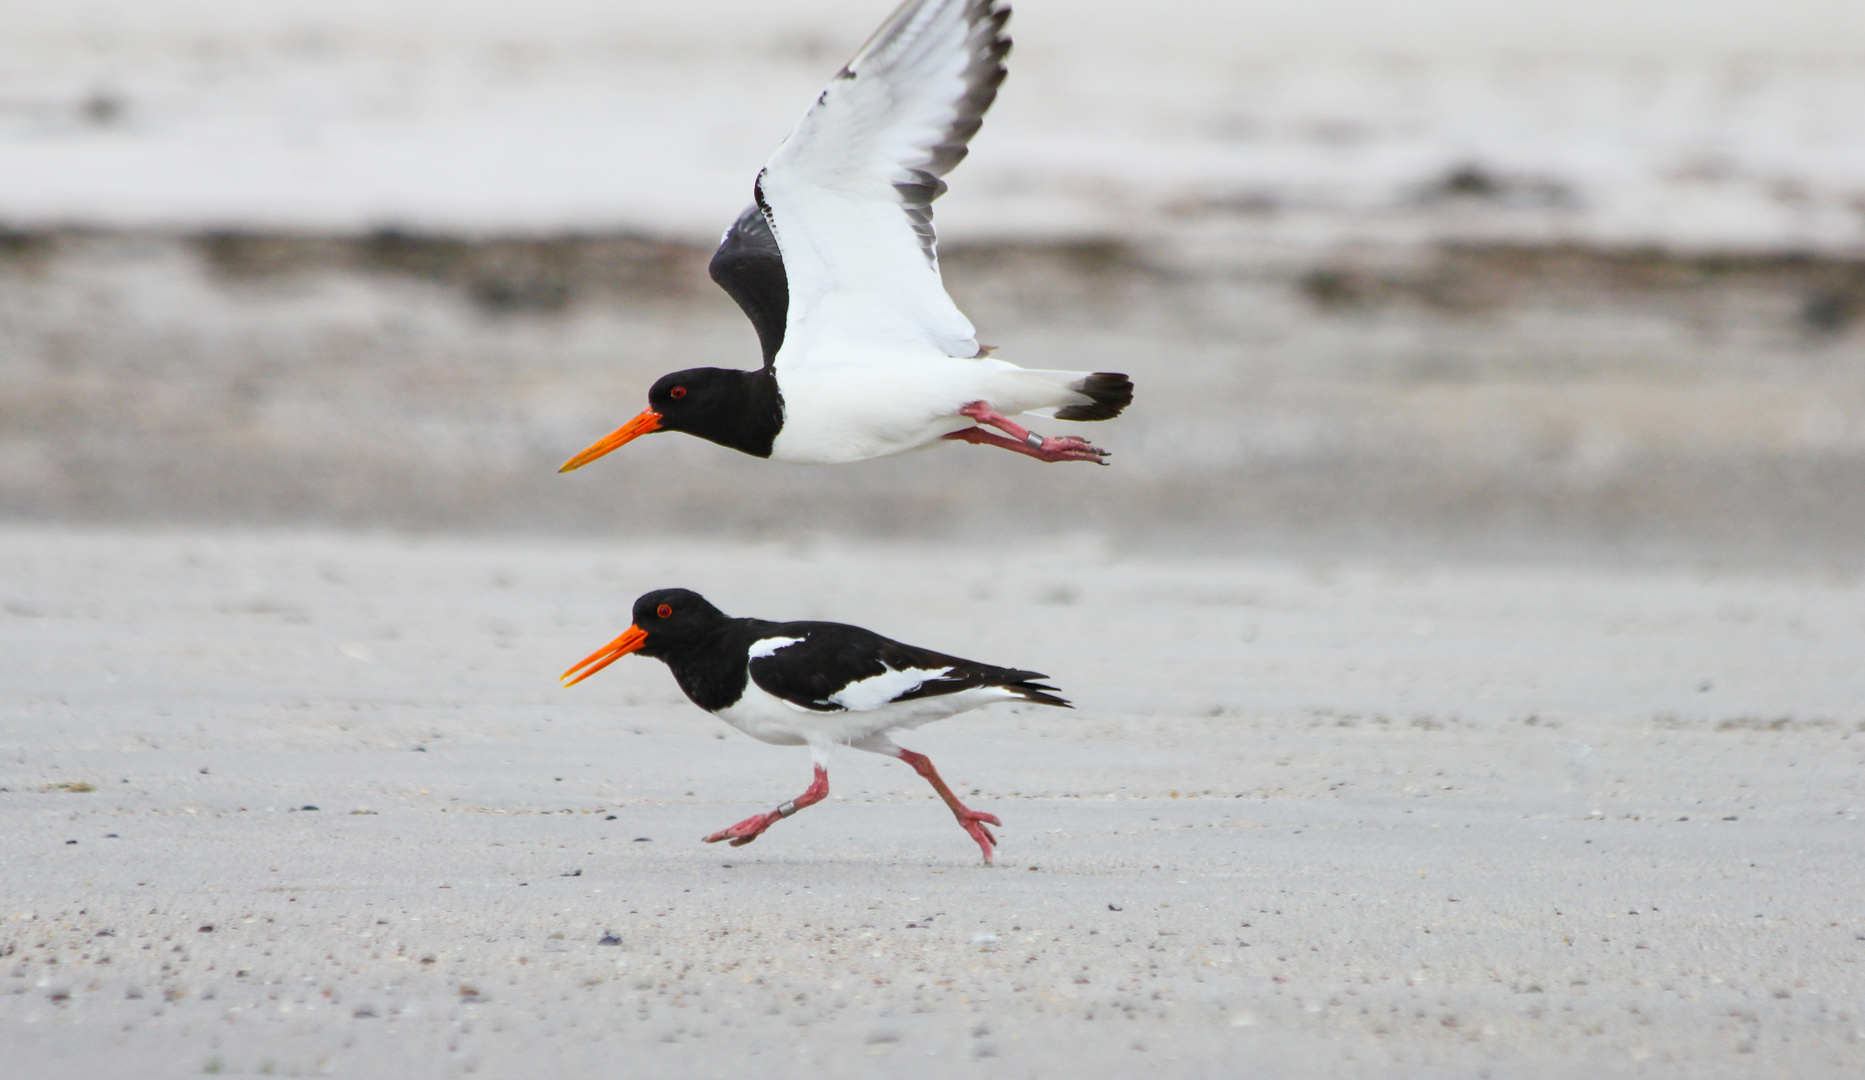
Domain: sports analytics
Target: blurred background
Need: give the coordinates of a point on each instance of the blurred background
(1431, 278)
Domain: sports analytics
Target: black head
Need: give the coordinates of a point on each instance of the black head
(667, 623)
(697, 399)
(675, 619)
(739, 409)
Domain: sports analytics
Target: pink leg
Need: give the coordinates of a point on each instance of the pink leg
(1023, 440)
(974, 821)
(752, 827)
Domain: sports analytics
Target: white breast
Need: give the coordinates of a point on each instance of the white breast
(768, 718)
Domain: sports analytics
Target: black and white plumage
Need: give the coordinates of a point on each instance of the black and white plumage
(814, 684)
(837, 267)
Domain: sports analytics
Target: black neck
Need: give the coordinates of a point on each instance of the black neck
(750, 419)
(712, 672)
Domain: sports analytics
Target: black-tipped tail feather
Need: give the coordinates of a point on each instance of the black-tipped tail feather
(1038, 693)
(1111, 392)
(969, 675)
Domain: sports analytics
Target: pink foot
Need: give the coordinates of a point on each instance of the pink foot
(1023, 440)
(747, 830)
(753, 827)
(973, 821)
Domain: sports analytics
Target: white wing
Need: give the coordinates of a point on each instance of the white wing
(849, 194)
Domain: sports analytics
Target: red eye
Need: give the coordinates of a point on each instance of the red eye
(664, 610)
(677, 392)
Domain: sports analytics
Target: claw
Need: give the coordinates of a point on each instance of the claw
(974, 822)
(1023, 440)
(745, 831)
(1070, 448)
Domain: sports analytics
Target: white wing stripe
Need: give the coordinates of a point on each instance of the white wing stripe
(764, 647)
(878, 690)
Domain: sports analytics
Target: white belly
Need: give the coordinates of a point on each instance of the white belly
(856, 413)
(838, 413)
(771, 719)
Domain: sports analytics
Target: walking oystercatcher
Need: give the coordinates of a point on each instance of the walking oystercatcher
(836, 266)
(814, 684)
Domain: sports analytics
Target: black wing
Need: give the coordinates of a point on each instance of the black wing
(833, 656)
(749, 266)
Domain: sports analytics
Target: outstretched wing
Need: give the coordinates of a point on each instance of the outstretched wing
(831, 667)
(849, 194)
(749, 266)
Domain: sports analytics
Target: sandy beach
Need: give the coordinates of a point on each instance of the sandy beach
(1465, 645)
(314, 805)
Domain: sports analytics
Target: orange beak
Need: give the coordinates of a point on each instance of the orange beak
(641, 425)
(632, 638)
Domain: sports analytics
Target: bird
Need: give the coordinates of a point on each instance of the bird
(836, 265)
(814, 684)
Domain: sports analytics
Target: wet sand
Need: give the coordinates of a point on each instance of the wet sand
(314, 805)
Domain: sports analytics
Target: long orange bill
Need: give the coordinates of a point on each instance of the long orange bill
(641, 425)
(632, 638)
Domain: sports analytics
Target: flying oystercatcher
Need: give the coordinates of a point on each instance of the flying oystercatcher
(814, 684)
(836, 266)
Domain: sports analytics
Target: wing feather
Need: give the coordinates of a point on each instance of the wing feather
(749, 266)
(849, 194)
(832, 667)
